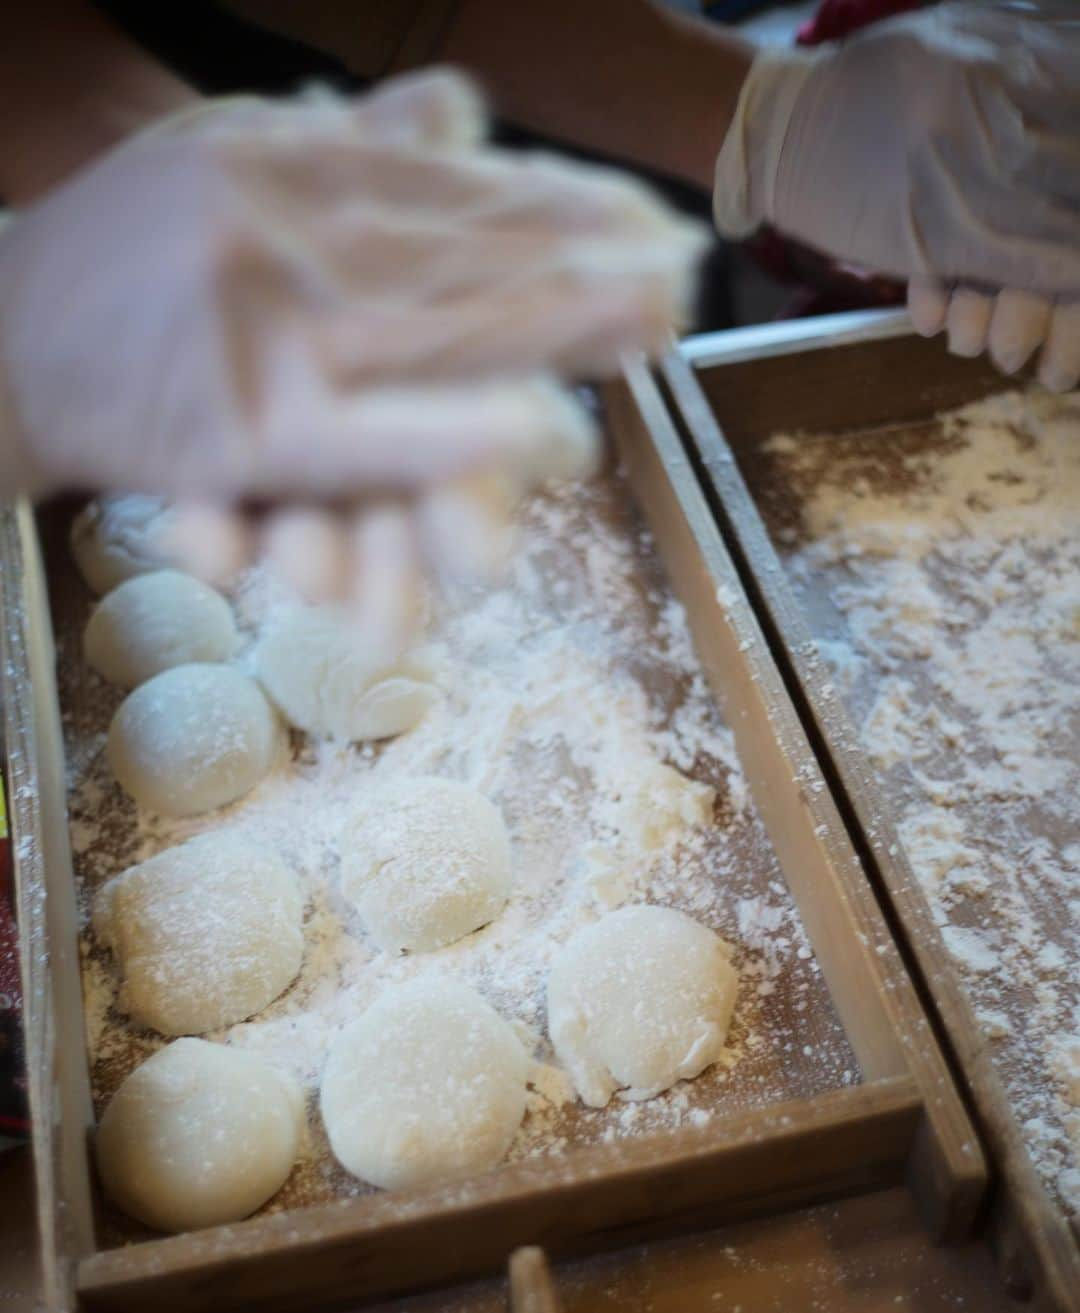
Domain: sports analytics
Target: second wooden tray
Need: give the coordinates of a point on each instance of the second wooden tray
(855, 375)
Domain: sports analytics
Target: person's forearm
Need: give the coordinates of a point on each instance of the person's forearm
(71, 86)
(621, 77)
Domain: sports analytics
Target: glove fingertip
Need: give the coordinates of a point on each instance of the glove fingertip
(1057, 378)
(928, 303)
(967, 322)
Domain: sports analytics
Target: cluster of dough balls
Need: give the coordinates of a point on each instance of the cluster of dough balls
(205, 934)
(429, 1084)
(196, 734)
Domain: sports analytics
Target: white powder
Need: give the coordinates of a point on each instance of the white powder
(941, 569)
(570, 696)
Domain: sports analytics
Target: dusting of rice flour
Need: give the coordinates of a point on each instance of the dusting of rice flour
(942, 578)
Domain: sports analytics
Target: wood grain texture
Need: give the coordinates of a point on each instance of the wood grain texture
(727, 411)
(854, 1139)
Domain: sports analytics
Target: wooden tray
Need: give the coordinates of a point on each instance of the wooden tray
(904, 1121)
(729, 392)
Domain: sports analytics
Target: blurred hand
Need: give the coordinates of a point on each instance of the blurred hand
(943, 145)
(1012, 325)
(324, 299)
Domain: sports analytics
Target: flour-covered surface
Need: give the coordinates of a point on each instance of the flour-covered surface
(571, 696)
(939, 568)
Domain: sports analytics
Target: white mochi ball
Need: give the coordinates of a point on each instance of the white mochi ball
(193, 738)
(425, 862)
(119, 536)
(155, 621)
(429, 1085)
(639, 1000)
(204, 934)
(199, 1135)
(313, 663)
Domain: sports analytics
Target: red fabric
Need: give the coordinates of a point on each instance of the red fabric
(837, 18)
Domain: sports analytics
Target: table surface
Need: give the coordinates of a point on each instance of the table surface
(865, 1255)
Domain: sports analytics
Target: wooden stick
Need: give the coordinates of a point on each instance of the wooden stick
(531, 1288)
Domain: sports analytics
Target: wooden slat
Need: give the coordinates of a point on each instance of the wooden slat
(896, 381)
(853, 1139)
(531, 1288)
(870, 989)
(1038, 1250)
(53, 1034)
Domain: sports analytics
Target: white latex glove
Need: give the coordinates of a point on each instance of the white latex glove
(943, 143)
(324, 299)
(1011, 324)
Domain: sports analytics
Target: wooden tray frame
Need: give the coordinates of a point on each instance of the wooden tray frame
(847, 372)
(906, 1121)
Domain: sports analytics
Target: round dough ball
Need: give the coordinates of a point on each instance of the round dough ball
(199, 1135)
(325, 683)
(205, 934)
(639, 1000)
(429, 1085)
(119, 536)
(155, 621)
(193, 738)
(426, 862)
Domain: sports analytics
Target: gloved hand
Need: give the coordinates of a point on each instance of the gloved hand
(943, 143)
(1011, 324)
(323, 299)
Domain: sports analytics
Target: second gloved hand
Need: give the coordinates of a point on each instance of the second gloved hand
(945, 143)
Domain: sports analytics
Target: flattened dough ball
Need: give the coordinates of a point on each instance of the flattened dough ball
(429, 1085)
(117, 537)
(156, 621)
(204, 934)
(199, 1135)
(313, 665)
(193, 738)
(639, 1000)
(425, 861)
